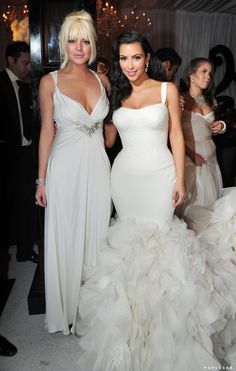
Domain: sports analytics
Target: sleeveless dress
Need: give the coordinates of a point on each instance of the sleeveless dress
(78, 204)
(152, 304)
(203, 183)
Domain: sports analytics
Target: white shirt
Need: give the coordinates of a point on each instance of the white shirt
(14, 78)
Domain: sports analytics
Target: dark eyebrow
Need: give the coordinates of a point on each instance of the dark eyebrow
(135, 55)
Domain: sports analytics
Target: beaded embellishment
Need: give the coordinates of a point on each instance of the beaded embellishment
(89, 130)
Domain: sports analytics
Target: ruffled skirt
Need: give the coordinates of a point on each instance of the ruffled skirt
(154, 303)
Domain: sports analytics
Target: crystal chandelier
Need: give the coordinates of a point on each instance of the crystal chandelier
(14, 12)
(110, 25)
(136, 20)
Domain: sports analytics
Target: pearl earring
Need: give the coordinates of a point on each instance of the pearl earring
(146, 67)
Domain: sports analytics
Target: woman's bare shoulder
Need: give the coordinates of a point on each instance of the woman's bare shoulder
(46, 79)
(47, 85)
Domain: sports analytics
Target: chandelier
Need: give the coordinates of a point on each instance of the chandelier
(110, 25)
(136, 20)
(14, 12)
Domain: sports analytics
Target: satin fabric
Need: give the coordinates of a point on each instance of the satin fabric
(78, 205)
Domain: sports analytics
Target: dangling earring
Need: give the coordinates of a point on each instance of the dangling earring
(146, 67)
(192, 80)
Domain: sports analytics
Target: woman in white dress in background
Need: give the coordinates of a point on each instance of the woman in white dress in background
(151, 305)
(210, 210)
(74, 173)
(202, 172)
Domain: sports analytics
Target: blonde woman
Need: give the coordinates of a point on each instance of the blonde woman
(74, 173)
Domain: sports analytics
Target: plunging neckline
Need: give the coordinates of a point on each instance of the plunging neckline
(80, 104)
(77, 102)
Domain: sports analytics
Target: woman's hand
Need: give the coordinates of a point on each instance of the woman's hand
(40, 196)
(179, 194)
(198, 160)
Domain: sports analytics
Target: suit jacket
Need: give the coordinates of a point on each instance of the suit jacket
(10, 129)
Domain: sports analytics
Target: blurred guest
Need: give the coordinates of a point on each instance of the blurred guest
(226, 149)
(103, 66)
(203, 176)
(170, 60)
(19, 213)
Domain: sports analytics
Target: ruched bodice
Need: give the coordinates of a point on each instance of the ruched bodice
(203, 183)
(68, 111)
(197, 135)
(199, 128)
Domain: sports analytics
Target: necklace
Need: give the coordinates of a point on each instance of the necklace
(200, 101)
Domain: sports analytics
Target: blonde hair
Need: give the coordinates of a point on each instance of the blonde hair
(74, 23)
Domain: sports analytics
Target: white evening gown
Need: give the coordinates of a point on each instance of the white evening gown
(78, 204)
(151, 305)
(203, 183)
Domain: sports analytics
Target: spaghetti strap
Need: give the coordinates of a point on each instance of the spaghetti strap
(54, 76)
(163, 92)
(102, 87)
(98, 78)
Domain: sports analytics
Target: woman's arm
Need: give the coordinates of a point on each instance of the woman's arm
(110, 134)
(177, 142)
(47, 132)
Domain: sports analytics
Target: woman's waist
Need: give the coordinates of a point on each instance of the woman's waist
(209, 156)
(146, 151)
(66, 137)
(198, 138)
(88, 128)
(201, 145)
(149, 160)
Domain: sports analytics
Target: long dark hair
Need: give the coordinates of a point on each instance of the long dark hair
(120, 85)
(208, 93)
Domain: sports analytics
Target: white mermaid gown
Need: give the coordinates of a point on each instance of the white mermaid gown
(203, 183)
(78, 204)
(152, 304)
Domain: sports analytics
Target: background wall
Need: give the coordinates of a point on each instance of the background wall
(194, 35)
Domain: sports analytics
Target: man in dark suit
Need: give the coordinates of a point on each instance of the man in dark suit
(17, 158)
